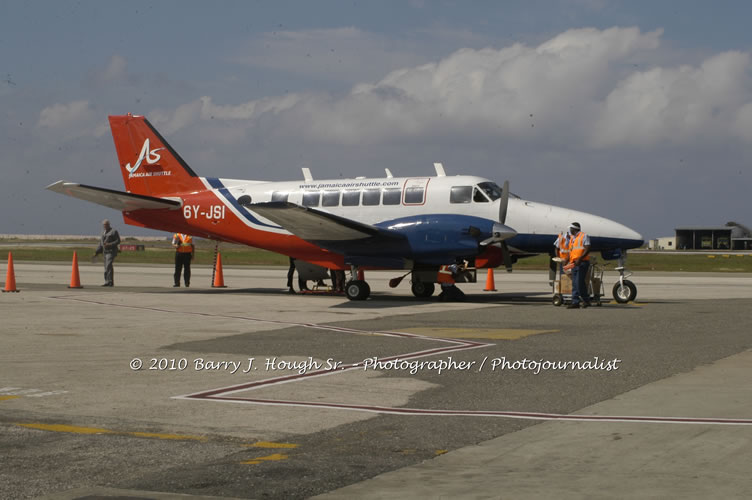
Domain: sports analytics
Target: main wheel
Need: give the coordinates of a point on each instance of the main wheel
(422, 290)
(625, 293)
(357, 290)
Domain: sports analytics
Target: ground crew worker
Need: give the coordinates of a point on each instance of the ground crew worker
(184, 253)
(447, 277)
(108, 245)
(562, 248)
(290, 273)
(579, 257)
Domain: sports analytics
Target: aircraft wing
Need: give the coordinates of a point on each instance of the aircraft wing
(314, 225)
(119, 200)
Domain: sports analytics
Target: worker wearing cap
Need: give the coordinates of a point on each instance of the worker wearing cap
(108, 245)
(579, 257)
(184, 251)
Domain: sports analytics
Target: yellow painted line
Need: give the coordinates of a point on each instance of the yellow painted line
(269, 444)
(440, 452)
(6, 398)
(476, 333)
(269, 458)
(75, 429)
(183, 437)
(67, 428)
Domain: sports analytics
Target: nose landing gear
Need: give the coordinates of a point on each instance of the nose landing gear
(624, 290)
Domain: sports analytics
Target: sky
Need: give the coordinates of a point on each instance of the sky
(639, 111)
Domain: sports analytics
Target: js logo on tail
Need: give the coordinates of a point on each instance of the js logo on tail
(150, 156)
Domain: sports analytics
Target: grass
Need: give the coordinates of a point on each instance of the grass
(239, 255)
(664, 262)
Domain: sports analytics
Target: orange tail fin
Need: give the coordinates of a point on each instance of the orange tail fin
(148, 163)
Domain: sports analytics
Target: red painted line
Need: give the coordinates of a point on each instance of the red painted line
(483, 413)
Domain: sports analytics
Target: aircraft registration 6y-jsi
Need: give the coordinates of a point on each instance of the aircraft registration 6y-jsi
(415, 224)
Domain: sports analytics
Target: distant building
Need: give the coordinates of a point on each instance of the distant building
(664, 243)
(732, 236)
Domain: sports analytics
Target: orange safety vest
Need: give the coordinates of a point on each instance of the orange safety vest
(563, 245)
(576, 248)
(184, 242)
(445, 275)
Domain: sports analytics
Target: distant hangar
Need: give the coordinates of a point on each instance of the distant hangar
(732, 236)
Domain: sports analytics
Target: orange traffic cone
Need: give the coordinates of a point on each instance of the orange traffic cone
(219, 280)
(75, 279)
(490, 285)
(10, 277)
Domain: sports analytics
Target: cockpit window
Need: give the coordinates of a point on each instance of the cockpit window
(478, 196)
(493, 190)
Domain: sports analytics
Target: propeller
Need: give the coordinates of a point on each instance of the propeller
(501, 231)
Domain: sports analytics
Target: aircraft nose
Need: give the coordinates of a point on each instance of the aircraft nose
(630, 237)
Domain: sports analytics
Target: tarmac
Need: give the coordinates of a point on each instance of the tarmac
(147, 391)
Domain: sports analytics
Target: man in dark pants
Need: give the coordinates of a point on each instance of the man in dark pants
(184, 251)
(108, 245)
(290, 272)
(579, 256)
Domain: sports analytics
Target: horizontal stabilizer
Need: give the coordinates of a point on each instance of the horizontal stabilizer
(313, 225)
(119, 200)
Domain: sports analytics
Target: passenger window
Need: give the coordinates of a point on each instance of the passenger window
(371, 197)
(311, 199)
(461, 194)
(280, 196)
(479, 197)
(351, 198)
(330, 199)
(392, 196)
(414, 195)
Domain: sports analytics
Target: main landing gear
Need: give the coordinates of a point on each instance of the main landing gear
(357, 288)
(422, 289)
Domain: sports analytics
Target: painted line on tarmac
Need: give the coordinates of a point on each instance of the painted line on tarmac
(486, 413)
(75, 429)
(268, 444)
(315, 326)
(274, 457)
(221, 394)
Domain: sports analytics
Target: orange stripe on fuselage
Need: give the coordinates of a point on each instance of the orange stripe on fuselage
(230, 229)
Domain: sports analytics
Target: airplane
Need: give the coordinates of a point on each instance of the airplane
(415, 224)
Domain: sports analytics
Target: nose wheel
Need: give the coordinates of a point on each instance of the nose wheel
(624, 291)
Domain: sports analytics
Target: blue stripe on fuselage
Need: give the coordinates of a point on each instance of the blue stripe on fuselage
(217, 184)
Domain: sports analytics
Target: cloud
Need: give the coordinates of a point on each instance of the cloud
(678, 104)
(580, 89)
(65, 115)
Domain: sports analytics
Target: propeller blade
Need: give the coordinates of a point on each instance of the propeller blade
(504, 202)
(506, 256)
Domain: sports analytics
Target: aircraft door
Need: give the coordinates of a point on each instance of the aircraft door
(415, 191)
